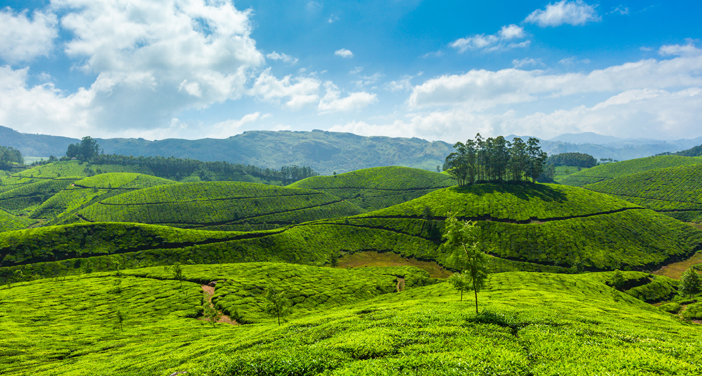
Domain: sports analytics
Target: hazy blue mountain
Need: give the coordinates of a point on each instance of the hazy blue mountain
(327, 152)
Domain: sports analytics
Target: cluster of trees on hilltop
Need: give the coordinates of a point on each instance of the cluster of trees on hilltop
(176, 168)
(495, 159)
(572, 159)
(10, 155)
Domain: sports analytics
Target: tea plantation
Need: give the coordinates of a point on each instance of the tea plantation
(378, 187)
(674, 191)
(219, 206)
(343, 322)
(61, 207)
(617, 169)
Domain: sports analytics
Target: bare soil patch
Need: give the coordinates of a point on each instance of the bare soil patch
(372, 258)
(209, 292)
(676, 269)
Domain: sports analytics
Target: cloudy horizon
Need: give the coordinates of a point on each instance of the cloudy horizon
(194, 68)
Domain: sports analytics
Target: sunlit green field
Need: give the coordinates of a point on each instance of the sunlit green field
(530, 324)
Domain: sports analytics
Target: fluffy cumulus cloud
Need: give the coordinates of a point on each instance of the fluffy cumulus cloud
(295, 92)
(507, 37)
(151, 61)
(346, 54)
(574, 13)
(332, 101)
(231, 127)
(23, 39)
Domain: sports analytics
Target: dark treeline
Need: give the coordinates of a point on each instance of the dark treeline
(9, 156)
(495, 159)
(572, 159)
(177, 169)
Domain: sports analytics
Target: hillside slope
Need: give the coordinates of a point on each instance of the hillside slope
(31, 194)
(614, 170)
(378, 187)
(218, 206)
(533, 227)
(81, 193)
(674, 191)
(530, 324)
(10, 222)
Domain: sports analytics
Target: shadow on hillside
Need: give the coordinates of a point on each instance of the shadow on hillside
(523, 191)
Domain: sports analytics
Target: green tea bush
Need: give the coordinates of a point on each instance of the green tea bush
(672, 307)
(693, 312)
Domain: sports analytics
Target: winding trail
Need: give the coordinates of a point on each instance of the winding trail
(209, 292)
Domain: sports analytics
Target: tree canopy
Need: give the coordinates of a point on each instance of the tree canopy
(495, 159)
(572, 159)
(10, 155)
(87, 149)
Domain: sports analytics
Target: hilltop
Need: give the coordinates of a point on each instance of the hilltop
(614, 170)
(343, 322)
(218, 206)
(378, 187)
(674, 191)
(534, 227)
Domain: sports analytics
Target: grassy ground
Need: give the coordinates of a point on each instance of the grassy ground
(676, 269)
(530, 324)
(618, 169)
(376, 259)
(378, 187)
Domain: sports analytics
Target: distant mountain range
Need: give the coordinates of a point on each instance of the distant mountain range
(327, 152)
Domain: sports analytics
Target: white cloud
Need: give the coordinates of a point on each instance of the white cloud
(22, 39)
(281, 56)
(369, 80)
(518, 63)
(622, 10)
(574, 13)
(433, 54)
(231, 127)
(680, 50)
(482, 89)
(499, 41)
(43, 108)
(344, 53)
(635, 113)
(356, 70)
(299, 91)
(354, 101)
(157, 59)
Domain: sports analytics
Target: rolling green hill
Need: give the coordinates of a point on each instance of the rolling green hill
(674, 191)
(530, 324)
(10, 222)
(614, 170)
(378, 187)
(31, 194)
(533, 227)
(218, 206)
(87, 191)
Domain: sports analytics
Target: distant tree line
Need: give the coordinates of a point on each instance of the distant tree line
(176, 168)
(9, 156)
(572, 159)
(495, 159)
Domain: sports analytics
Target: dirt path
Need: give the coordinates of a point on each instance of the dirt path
(209, 291)
(400, 284)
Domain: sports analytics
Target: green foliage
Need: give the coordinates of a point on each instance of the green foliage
(690, 283)
(211, 313)
(61, 207)
(674, 191)
(10, 222)
(218, 206)
(672, 307)
(617, 281)
(9, 157)
(277, 304)
(378, 187)
(495, 159)
(461, 282)
(32, 194)
(693, 312)
(86, 150)
(572, 159)
(615, 170)
(464, 240)
(533, 323)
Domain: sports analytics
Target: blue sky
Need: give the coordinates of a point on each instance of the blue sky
(403, 68)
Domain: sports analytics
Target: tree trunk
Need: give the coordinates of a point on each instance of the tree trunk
(476, 301)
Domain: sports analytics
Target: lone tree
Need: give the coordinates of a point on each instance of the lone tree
(277, 304)
(211, 313)
(460, 282)
(178, 275)
(87, 149)
(690, 283)
(119, 320)
(462, 239)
